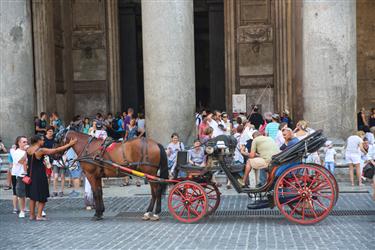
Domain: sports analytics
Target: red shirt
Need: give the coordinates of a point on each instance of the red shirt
(202, 127)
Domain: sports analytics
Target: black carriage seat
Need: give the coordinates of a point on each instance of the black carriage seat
(183, 163)
(310, 144)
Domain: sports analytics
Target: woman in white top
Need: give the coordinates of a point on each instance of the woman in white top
(301, 132)
(19, 170)
(173, 147)
(93, 128)
(353, 151)
(279, 137)
(228, 125)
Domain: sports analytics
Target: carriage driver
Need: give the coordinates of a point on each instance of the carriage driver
(262, 150)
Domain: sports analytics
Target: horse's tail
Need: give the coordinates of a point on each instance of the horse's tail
(163, 165)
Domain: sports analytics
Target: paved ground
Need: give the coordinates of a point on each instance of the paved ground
(70, 226)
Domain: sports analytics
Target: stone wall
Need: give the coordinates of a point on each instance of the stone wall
(366, 53)
(89, 57)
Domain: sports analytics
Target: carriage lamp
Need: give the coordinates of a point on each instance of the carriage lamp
(209, 150)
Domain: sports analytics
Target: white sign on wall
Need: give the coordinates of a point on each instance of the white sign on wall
(239, 103)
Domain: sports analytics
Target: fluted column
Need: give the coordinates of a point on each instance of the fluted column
(168, 59)
(16, 75)
(113, 56)
(329, 65)
(44, 55)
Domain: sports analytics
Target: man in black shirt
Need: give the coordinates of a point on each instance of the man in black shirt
(255, 118)
(41, 124)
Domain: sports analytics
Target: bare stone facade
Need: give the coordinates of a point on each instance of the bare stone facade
(254, 47)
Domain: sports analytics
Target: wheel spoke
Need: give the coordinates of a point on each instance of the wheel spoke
(176, 197)
(295, 198)
(289, 193)
(305, 176)
(322, 195)
(303, 212)
(181, 195)
(177, 206)
(291, 185)
(196, 198)
(313, 209)
(320, 204)
(188, 212)
(195, 212)
(321, 186)
(182, 211)
(294, 209)
(315, 179)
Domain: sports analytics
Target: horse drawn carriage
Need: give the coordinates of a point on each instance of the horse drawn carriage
(305, 193)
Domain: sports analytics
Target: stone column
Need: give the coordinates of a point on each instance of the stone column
(113, 56)
(44, 55)
(329, 65)
(168, 59)
(230, 52)
(16, 76)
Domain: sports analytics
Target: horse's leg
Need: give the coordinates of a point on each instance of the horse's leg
(158, 199)
(100, 198)
(148, 215)
(96, 187)
(156, 193)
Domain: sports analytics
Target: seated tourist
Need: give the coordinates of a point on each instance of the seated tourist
(196, 155)
(289, 138)
(262, 150)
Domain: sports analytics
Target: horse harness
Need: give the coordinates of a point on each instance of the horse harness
(98, 158)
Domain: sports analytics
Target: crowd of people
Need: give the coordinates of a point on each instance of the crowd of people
(258, 136)
(33, 158)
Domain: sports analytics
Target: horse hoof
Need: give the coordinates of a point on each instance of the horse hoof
(147, 216)
(154, 217)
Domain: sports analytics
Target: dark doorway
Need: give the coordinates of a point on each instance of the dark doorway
(131, 63)
(209, 53)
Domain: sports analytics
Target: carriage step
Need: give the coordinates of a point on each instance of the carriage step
(258, 204)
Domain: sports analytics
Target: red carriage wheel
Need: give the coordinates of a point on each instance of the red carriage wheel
(305, 194)
(213, 196)
(333, 182)
(187, 202)
(331, 178)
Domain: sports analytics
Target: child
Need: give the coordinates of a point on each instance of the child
(330, 155)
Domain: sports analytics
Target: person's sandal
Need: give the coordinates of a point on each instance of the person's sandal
(41, 219)
(32, 218)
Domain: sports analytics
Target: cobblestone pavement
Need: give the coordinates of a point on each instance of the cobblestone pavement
(70, 227)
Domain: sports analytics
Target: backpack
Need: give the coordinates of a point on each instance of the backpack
(369, 171)
(115, 125)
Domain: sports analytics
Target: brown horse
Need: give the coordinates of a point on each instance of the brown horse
(143, 155)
